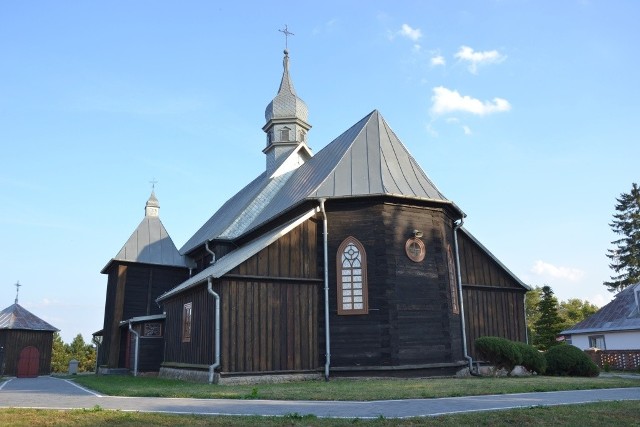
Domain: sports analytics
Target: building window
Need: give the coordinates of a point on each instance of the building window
(186, 322)
(284, 134)
(455, 306)
(597, 341)
(351, 270)
(152, 330)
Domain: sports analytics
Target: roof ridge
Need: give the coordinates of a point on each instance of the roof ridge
(362, 122)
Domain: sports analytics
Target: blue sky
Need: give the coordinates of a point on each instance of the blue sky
(522, 112)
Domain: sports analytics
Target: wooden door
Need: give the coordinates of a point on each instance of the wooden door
(28, 362)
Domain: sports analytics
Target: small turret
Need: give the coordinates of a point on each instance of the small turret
(286, 118)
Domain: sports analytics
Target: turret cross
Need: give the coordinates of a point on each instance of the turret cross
(286, 33)
(17, 285)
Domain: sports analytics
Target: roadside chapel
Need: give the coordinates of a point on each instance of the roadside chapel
(344, 262)
(26, 342)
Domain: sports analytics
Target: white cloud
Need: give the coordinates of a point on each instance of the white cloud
(599, 299)
(542, 268)
(466, 129)
(414, 34)
(437, 60)
(478, 58)
(449, 101)
(327, 27)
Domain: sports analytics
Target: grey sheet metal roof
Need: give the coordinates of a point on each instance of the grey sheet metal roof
(17, 317)
(286, 104)
(150, 243)
(236, 257)
(140, 319)
(366, 160)
(488, 252)
(621, 314)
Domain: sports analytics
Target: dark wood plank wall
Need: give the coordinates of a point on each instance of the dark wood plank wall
(113, 329)
(14, 340)
(107, 328)
(410, 320)
(493, 300)
(269, 311)
(201, 349)
(269, 326)
(150, 351)
(144, 284)
(131, 291)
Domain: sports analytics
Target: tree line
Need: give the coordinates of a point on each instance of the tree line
(62, 354)
(546, 317)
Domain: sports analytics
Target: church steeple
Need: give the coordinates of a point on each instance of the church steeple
(152, 207)
(286, 118)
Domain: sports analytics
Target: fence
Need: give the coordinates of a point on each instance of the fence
(620, 360)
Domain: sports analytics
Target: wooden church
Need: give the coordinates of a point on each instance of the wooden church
(346, 262)
(26, 342)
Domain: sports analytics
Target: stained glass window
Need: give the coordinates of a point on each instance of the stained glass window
(352, 278)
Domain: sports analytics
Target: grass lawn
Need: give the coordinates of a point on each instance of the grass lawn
(346, 389)
(593, 414)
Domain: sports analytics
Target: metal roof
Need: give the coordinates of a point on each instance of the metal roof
(286, 104)
(17, 317)
(366, 160)
(236, 257)
(621, 314)
(140, 319)
(150, 243)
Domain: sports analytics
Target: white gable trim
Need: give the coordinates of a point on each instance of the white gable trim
(238, 256)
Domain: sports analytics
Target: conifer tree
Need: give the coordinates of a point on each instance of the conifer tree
(625, 258)
(549, 324)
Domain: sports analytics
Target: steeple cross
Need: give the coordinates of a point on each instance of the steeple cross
(286, 33)
(153, 183)
(17, 285)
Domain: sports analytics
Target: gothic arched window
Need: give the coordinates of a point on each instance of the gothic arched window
(351, 270)
(452, 282)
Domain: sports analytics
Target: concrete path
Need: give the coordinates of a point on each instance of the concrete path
(55, 393)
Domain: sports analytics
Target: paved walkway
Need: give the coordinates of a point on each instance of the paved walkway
(55, 393)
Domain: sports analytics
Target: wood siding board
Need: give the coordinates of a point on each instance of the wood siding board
(225, 321)
(234, 327)
(290, 342)
(114, 347)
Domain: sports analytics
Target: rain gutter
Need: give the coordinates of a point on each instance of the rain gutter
(216, 362)
(461, 299)
(327, 337)
(135, 352)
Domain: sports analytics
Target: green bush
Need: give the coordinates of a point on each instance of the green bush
(500, 352)
(532, 359)
(566, 359)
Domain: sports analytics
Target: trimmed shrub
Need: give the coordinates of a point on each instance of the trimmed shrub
(565, 359)
(500, 352)
(532, 359)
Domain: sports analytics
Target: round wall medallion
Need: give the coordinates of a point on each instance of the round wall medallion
(415, 249)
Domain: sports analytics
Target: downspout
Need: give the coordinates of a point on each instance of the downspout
(213, 254)
(216, 363)
(461, 299)
(327, 338)
(94, 340)
(135, 352)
